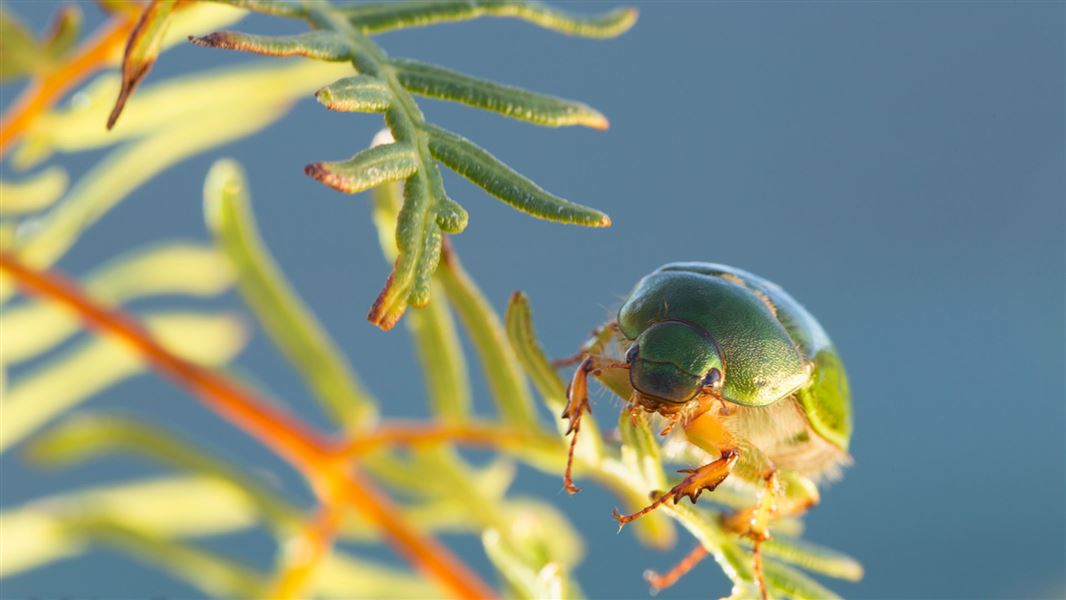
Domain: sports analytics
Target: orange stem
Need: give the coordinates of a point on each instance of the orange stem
(414, 434)
(46, 89)
(274, 428)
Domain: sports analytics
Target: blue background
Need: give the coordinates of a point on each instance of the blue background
(897, 166)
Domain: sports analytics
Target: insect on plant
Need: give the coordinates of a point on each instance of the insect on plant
(748, 374)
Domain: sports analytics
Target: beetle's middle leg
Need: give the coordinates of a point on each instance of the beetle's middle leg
(577, 403)
(601, 337)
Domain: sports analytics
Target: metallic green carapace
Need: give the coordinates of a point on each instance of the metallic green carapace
(695, 320)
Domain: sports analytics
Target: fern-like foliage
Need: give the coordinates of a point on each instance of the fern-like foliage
(387, 85)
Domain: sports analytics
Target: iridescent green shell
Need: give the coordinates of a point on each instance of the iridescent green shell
(771, 346)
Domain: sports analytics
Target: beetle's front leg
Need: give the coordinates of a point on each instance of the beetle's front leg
(577, 403)
(707, 477)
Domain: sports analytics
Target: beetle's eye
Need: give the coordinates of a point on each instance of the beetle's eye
(631, 354)
(713, 378)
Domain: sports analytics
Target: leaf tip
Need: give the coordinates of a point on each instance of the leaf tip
(598, 121)
(319, 172)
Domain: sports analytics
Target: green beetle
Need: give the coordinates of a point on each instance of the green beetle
(748, 374)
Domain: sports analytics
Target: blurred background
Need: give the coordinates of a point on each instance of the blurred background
(898, 167)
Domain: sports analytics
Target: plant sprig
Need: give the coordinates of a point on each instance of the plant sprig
(387, 85)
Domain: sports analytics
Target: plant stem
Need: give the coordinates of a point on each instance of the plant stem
(291, 439)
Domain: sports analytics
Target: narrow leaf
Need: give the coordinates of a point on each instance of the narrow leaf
(498, 360)
(293, 327)
(433, 328)
(437, 82)
(814, 558)
(84, 437)
(318, 44)
(381, 17)
(640, 451)
(34, 193)
(35, 535)
(361, 93)
(467, 159)
(371, 167)
(99, 363)
(20, 52)
(410, 231)
(63, 32)
(789, 582)
(142, 49)
(33, 327)
(523, 339)
(279, 8)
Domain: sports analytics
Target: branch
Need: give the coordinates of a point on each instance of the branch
(274, 428)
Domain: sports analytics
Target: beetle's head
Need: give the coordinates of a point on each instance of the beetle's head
(671, 362)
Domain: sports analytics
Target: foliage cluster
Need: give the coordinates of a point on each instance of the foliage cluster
(356, 470)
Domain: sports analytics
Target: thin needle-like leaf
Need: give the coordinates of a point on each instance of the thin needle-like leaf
(289, 322)
(369, 168)
(100, 363)
(141, 51)
(789, 582)
(361, 93)
(467, 159)
(381, 17)
(437, 82)
(32, 194)
(319, 45)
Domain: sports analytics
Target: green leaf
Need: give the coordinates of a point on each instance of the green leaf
(814, 558)
(99, 363)
(63, 32)
(437, 82)
(142, 49)
(523, 338)
(640, 451)
(790, 582)
(20, 52)
(433, 328)
(212, 573)
(369, 168)
(84, 437)
(361, 93)
(381, 17)
(119, 173)
(499, 362)
(35, 533)
(318, 45)
(34, 327)
(34, 193)
(467, 159)
(292, 326)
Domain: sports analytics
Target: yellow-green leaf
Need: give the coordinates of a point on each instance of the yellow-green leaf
(369, 168)
(319, 45)
(360, 93)
(34, 193)
(142, 49)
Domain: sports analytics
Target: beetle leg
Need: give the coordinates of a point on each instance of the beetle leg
(577, 404)
(601, 336)
(661, 582)
(707, 477)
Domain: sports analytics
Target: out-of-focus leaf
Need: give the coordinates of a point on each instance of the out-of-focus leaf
(84, 437)
(520, 577)
(41, 242)
(444, 84)
(20, 52)
(34, 534)
(227, 90)
(346, 579)
(318, 44)
(64, 31)
(360, 93)
(177, 268)
(146, 40)
(499, 362)
(813, 558)
(789, 582)
(34, 193)
(385, 16)
(433, 328)
(211, 572)
(99, 363)
(543, 533)
(290, 324)
(371, 167)
(472, 162)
